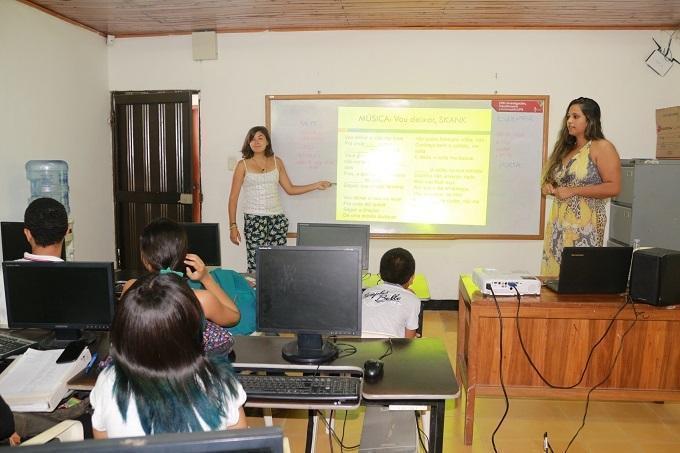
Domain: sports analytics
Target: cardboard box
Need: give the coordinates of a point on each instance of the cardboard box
(668, 133)
(668, 118)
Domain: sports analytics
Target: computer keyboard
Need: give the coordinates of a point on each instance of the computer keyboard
(335, 388)
(11, 345)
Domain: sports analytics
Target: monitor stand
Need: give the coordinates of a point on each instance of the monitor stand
(309, 348)
(60, 338)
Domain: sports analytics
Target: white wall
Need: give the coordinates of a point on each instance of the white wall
(54, 102)
(605, 65)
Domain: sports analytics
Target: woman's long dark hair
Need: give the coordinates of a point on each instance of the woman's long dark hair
(247, 152)
(566, 142)
(156, 346)
(163, 244)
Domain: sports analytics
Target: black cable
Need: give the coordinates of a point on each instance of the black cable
(335, 436)
(611, 370)
(349, 350)
(342, 436)
(388, 351)
(330, 436)
(590, 354)
(421, 433)
(500, 371)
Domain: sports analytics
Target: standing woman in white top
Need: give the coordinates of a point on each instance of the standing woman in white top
(259, 173)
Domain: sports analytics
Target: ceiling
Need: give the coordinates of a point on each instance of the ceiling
(162, 17)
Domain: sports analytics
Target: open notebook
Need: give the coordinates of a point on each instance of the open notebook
(35, 382)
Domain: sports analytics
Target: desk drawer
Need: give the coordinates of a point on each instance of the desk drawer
(626, 194)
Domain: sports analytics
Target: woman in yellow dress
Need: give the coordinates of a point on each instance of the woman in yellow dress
(582, 172)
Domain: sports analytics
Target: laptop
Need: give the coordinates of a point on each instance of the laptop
(593, 270)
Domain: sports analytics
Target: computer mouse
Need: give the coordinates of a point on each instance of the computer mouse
(373, 370)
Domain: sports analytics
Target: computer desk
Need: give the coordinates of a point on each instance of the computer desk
(417, 373)
(559, 331)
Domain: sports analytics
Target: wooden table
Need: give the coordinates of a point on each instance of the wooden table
(559, 332)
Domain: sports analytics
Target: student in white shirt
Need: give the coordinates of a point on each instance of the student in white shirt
(160, 379)
(391, 309)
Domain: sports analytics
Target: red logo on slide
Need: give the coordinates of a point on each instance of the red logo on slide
(518, 106)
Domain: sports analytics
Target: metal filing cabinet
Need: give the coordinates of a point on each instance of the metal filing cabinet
(648, 206)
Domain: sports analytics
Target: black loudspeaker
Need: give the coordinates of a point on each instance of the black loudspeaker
(655, 276)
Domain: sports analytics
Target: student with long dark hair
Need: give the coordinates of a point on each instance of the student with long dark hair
(259, 174)
(163, 244)
(161, 380)
(582, 172)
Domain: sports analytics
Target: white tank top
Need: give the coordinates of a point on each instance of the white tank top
(261, 192)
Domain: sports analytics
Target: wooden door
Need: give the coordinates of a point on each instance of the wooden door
(156, 162)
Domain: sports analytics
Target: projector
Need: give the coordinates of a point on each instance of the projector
(502, 282)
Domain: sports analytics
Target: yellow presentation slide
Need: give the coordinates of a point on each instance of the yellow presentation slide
(413, 165)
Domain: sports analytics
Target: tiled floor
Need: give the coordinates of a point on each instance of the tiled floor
(620, 427)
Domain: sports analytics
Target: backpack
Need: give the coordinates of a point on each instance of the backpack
(243, 295)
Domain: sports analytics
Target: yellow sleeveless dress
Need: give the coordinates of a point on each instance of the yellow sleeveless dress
(577, 221)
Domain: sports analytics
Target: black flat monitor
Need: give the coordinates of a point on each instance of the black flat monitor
(14, 242)
(311, 292)
(204, 241)
(66, 298)
(336, 234)
(253, 440)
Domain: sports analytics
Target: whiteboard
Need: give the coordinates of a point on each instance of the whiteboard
(500, 141)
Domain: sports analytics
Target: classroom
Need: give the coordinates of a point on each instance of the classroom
(56, 80)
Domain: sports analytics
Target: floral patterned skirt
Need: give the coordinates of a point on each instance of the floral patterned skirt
(263, 230)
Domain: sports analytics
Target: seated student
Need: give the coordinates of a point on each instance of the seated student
(45, 226)
(161, 380)
(163, 246)
(390, 309)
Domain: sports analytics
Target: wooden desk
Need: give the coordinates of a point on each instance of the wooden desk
(418, 371)
(559, 332)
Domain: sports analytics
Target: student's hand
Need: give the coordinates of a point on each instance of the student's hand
(323, 185)
(195, 267)
(234, 236)
(14, 440)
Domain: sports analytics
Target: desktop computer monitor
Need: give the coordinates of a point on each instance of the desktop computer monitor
(66, 298)
(260, 440)
(309, 291)
(204, 240)
(336, 234)
(14, 242)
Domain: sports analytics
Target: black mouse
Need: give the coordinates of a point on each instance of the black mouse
(373, 370)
